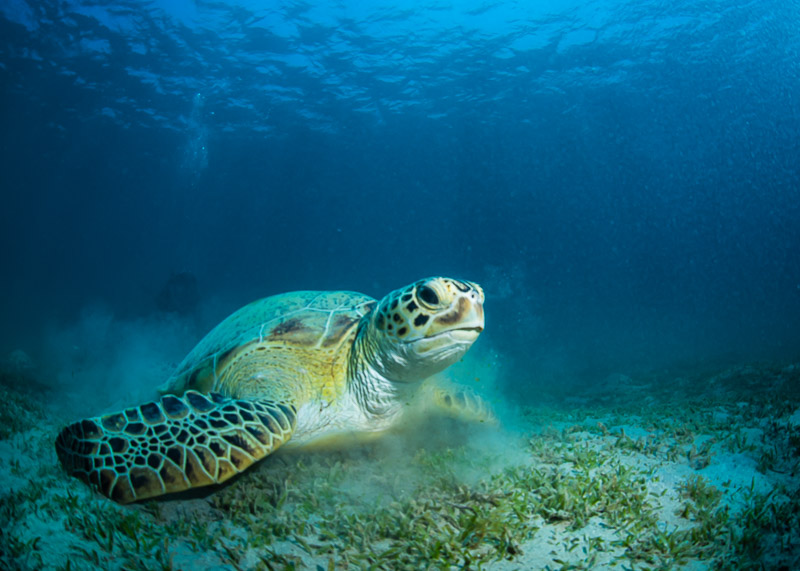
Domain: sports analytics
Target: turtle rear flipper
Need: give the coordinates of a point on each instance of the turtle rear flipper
(174, 444)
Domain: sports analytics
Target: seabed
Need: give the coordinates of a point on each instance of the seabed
(656, 471)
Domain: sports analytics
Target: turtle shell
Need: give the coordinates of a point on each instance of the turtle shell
(310, 320)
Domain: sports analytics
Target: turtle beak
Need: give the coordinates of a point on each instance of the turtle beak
(472, 324)
(470, 309)
(464, 322)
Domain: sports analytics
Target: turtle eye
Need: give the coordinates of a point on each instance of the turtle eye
(427, 295)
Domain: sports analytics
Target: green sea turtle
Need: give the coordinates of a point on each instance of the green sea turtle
(295, 369)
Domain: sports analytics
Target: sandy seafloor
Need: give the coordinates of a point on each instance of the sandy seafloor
(685, 468)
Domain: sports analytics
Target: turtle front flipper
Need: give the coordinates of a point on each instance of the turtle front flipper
(174, 444)
(443, 398)
(457, 402)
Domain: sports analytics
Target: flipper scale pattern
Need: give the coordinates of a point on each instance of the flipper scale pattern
(174, 444)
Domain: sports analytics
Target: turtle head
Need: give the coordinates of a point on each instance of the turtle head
(423, 328)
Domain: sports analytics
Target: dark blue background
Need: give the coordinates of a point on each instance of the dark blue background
(624, 180)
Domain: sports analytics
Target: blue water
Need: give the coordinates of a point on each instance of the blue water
(623, 178)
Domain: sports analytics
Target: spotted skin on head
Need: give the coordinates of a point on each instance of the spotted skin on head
(415, 311)
(174, 444)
